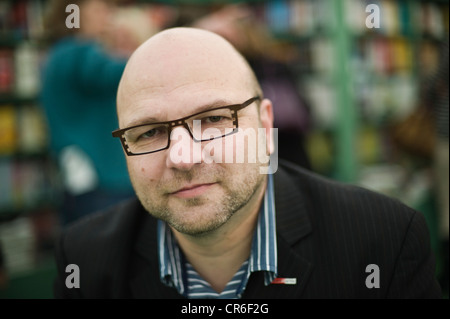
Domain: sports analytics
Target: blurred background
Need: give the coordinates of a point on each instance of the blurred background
(358, 103)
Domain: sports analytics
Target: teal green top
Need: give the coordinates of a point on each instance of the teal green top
(80, 82)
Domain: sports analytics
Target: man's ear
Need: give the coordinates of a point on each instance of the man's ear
(266, 118)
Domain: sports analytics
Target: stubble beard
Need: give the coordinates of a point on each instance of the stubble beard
(199, 216)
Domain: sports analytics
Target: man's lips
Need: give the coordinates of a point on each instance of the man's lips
(192, 190)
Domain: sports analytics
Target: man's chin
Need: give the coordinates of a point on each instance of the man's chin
(199, 220)
(195, 230)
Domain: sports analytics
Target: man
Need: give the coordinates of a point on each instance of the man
(207, 228)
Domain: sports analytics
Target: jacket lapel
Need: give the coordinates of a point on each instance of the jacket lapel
(290, 266)
(293, 224)
(291, 207)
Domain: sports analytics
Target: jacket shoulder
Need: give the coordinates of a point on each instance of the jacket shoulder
(100, 245)
(102, 227)
(349, 214)
(335, 197)
(354, 227)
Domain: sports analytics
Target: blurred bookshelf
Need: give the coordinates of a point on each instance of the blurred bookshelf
(28, 175)
(360, 82)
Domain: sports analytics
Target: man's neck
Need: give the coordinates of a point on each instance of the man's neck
(218, 255)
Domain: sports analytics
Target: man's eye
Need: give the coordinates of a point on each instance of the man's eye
(150, 133)
(214, 119)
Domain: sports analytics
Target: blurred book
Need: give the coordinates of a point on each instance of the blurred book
(26, 68)
(355, 15)
(432, 20)
(8, 132)
(35, 18)
(301, 17)
(18, 26)
(5, 7)
(323, 96)
(428, 58)
(405, 18)
(6, 196)
(25, 186)
(390, 17)
(6, 71)
(28, 184)
(32, 135)
(278, 16)
(18, 245)
(323, 54)
(402, 55)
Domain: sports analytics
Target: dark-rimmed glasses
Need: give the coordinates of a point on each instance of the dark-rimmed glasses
(202, 126)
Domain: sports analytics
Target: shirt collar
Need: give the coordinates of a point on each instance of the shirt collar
(170, 259)
(263, 255)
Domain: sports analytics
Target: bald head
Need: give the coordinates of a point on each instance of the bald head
(182, 66)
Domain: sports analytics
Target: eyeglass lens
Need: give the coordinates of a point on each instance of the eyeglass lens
(205, 126)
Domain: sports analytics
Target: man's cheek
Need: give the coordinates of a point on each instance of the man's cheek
(137, 172)
(139, 165)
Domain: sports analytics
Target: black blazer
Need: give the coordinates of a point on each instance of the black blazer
(327, 234)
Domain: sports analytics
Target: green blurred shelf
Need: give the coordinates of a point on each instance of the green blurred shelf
(34, 284)
(10, 98)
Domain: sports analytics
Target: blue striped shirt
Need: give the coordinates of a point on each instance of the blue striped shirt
(177, 272)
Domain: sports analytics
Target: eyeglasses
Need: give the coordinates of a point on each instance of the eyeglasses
(203, 126)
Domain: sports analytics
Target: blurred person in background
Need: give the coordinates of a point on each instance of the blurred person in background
(80, 80)
(270, 61)
(134, 24)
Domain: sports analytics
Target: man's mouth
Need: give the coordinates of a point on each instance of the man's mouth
(192, 190)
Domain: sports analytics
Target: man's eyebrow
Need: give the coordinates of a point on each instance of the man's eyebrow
(215, 104)
(205, 107)
(142, 121)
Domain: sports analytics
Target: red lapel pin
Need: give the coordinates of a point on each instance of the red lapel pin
(284, 281)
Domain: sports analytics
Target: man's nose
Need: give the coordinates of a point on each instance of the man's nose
(183, 152)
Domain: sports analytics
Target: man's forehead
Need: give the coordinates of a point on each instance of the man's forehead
(178, 65)
(161, 113)
(176, 53)
(179, 37)
(185, 45)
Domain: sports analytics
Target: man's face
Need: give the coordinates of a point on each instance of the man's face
(201, 192)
